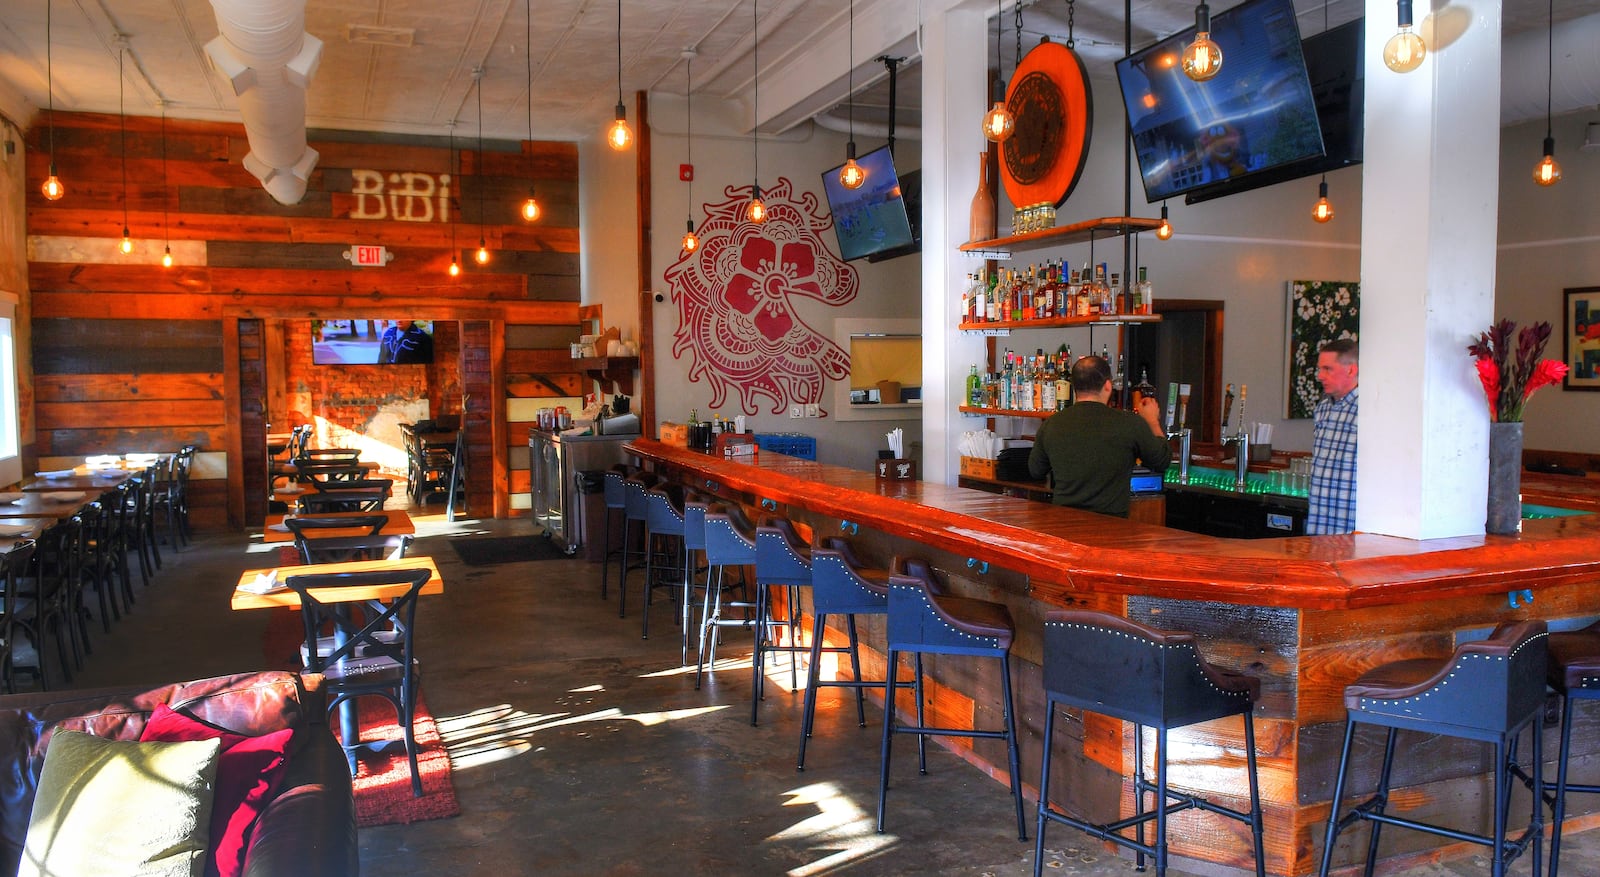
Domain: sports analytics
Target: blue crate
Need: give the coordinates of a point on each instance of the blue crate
(792, 443)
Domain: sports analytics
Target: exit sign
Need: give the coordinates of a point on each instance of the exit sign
(368, 256)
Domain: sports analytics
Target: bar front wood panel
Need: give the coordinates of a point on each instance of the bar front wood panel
(1306, 615)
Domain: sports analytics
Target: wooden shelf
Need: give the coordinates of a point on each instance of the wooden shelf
(618, 370)
(1077, 232)
(1004, 412)
(1062, 322)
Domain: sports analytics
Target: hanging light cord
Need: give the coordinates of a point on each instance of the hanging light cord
(454, 170)
(166, 228)
(528, 7)
(122, 125)
(688, 72)
(999, 23)
(478, 169)
(1550, 67)
(619, 51)
(851, 97)
(755, 102)
(49, 85)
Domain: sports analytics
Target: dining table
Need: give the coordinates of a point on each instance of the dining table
(55, 505)
(95, 481)
(15, 530)
(400, 524)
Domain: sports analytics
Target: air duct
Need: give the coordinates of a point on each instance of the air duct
(263, 51)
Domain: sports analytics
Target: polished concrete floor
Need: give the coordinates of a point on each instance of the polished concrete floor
(581, 749)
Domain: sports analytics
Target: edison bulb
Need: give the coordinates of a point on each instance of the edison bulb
(852, 175)
(757, 211)
(1404, 51)
(1202, 59)
(530, 210)
(1164, 231)
(127, 243)
(482, 255)
(1547, 172)
(166, 258)
(620, 134)
(1323, 211)
(998, 123)
(455, 270)
(52, 188)
(691, 241)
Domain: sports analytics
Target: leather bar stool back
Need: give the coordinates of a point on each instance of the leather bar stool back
(1574, 673)
(634, 509)
(783, 560)
(616, 497)
(663, 523)
(730, 541)
(840, 585)
(1489, 690)
(1106, 664)
(923, 622)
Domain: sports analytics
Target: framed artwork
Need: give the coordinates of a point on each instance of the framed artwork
(1580, 338)
(1319, 311)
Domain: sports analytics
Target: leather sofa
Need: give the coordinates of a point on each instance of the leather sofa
(309, 827)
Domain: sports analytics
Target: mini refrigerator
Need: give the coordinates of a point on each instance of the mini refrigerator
(554, 461)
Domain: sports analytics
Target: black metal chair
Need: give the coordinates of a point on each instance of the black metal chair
(43, 606)
(362, 661)
(1574, 673)
(1489, 690)
(1106, 664)
(369, 498)
(924, 622)
(338, 549)
(307, 530)
(15, 568)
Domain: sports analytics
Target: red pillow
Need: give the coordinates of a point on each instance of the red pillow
(248, 772)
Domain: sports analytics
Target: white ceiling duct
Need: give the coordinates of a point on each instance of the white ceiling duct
(1576, 83)
(263, 51)
(870, 129)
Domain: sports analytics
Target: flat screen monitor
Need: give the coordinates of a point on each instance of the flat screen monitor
(371, 342)
(1256, 115)
(872, 220)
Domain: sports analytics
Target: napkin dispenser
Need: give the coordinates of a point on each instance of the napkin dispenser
(896, 469)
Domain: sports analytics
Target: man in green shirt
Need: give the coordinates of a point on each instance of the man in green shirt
(1089, 449)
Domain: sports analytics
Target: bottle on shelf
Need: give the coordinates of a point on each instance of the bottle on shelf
(1147, 298)
(1144, 389)
(974, 388)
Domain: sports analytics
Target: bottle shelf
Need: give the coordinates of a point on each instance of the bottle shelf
(1077, 232)
(1004, 412)
(1061, 322)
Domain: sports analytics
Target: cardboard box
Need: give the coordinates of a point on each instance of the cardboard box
(675, 434)
(977, 467)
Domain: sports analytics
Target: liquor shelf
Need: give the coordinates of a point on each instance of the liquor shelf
(1061, 235)
(1003, 412)
(1060, 322)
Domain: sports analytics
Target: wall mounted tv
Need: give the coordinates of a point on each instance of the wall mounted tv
(1279, 109)
(875, 221)
(371, 342)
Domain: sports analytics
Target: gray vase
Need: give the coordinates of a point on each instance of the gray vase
(1505, 479)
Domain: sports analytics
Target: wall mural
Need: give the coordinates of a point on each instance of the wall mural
(737, 298)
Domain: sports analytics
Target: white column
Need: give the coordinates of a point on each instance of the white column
(1428, 231)
(952, 112)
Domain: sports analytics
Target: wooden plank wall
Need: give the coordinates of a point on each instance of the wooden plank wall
(133, 356)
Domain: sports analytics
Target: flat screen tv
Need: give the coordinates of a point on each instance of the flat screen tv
(371, 342)
(871, 222)
(1257, 115)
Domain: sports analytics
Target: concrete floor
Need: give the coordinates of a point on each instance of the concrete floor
(581, 749)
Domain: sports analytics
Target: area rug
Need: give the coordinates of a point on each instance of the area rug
(505, 549)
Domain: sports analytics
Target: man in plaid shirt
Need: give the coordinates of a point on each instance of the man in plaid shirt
(1333, 442)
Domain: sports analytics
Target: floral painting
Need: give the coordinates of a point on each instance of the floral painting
(1319, 311)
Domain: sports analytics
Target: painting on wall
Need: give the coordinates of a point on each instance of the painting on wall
(1580, 338)
(739, 296)
(1319, 311)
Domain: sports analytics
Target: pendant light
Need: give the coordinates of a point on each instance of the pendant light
(52, 188)
(455, 268)
(1322, 211)
(1164, 231)
(691, 241)
(1202, 59)
(122, 127)
(1547, 172)
(530, 207)
(852, 175)
(998, 123)
(620, 135)
(166, 227)
(1405, 50)
(756, 210)
(482, 255)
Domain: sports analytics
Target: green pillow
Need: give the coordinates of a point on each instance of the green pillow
(120, 807)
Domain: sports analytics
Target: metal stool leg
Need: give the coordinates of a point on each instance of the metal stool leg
(888, 734)
(1335, 824)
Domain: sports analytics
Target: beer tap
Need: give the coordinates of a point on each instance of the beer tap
(1241, 462)
(1183, 433)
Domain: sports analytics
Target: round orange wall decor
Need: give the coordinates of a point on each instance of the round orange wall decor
(1054, 108)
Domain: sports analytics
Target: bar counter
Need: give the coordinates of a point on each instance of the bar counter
(1307, 615)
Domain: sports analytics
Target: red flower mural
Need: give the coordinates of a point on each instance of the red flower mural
(737, 298)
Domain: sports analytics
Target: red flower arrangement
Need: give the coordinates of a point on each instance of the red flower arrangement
(1508, 382)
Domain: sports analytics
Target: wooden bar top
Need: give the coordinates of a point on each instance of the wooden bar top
(1066, 550)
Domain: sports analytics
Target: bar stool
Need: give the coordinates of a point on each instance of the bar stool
(1106, 664)
(843, 585)
(923, 622)
(634, 510)
(1489, 690)
(730, 540)
(663, 525)
(1574, 673)
(616, 496)
(782, 560)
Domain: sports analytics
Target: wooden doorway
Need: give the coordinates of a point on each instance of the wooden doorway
(1184, 348)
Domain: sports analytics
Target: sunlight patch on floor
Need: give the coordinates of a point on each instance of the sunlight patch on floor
(838, 825)
(492, 734)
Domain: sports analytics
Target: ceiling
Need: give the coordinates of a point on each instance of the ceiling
(407, 66)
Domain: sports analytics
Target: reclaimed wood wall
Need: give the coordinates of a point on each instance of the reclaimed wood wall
(132, 356)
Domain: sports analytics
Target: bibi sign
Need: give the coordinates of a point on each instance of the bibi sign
(368, 255)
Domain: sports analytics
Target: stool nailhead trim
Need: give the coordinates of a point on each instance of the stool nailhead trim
(1189, 647)
(1387, 701)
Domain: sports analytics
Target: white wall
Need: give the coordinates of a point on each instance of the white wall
(607, 216)
(722, 158)
(1549, 240)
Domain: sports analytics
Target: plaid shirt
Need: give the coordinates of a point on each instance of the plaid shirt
(1333, 466)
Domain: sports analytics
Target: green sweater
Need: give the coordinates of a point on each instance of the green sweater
(1089, 451)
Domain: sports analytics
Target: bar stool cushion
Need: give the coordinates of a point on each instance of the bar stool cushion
(1395, 680)
(1575, 659)
(963, 623)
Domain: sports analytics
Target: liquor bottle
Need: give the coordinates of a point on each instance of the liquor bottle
(974, 388)
(1047, 395)
(1115, 295)
(966, 301)
(1147, 296)
(1144, 389)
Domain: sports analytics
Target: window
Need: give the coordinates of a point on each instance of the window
(10, 418)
